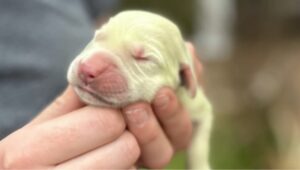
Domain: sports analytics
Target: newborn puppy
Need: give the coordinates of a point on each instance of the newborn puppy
(130, 58)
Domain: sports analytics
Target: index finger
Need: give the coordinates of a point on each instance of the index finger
(67, 102)
(62, 138)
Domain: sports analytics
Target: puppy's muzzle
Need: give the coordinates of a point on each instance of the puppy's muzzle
(100, 76)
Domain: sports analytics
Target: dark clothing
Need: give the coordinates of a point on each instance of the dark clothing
(38, 40)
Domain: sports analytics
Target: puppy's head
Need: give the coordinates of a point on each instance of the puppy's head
(129, 59)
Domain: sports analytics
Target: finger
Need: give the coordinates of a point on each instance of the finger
(64, 137)
(156, 150)
(119, 154)
(133, 168)
(173, 117)
(65, 103)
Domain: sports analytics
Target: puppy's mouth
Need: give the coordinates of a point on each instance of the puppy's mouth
(94, 95)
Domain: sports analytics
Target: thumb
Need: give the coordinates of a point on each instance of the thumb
(65, 103)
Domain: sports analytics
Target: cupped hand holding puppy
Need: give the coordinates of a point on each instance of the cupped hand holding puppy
(69, 134)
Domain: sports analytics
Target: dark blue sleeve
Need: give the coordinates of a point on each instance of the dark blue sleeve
(101, 7)
(38, 39)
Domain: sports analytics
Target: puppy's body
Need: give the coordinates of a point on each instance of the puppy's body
(130, 58)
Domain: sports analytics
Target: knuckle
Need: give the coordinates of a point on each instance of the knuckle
(161, 99)
(9, 162)
(164, 160)
(167, 156)
(15, 161)
(150, 134)
(131, 147)
(133, 168)
(181, 145)
(166, 111)
(112, 121)
(174, 118)
(182, 139)
(137, 106)
(173, 103)
(13, 158)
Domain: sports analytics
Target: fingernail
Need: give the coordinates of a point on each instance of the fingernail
(162, 101)
(137, 116)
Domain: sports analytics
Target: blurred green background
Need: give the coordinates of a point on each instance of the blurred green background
(250, 50)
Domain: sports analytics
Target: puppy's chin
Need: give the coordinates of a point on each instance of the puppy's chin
(95, 100)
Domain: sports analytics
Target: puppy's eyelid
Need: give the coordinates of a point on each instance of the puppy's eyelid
(138, 52)
(141, 58)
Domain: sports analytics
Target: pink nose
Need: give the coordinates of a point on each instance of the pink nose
(91, 68)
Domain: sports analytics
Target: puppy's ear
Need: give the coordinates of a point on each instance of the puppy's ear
(188, 80)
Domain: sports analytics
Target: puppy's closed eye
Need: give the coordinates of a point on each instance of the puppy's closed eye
(138, 53)
(141, 58)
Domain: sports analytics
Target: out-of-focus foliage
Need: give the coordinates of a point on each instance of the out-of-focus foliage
(183, 13)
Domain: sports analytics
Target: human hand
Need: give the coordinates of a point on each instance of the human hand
(70, 135)
(65, 133)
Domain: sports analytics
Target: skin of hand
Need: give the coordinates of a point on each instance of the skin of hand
(66, 135)
(70, 135)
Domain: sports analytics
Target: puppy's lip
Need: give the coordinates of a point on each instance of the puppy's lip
(93, 94)
(85, 88)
